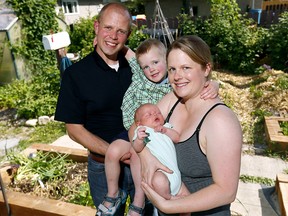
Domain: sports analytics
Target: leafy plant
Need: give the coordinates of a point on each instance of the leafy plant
(257, 179)
(278, 43)
(82, 196)
(284, 127)
(82, 36)
(44, 134)
(136, 37)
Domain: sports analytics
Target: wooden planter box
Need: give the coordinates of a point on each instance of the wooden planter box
(277, 140)
(27, 205)
(282, 191)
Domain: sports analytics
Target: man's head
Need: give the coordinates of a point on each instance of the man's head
(148, 115)
(112, 28)
(151, 56)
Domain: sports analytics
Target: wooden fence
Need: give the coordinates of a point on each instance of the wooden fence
(263, 19)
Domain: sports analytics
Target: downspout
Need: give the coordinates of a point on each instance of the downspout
(12, 54)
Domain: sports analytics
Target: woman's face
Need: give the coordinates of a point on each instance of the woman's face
(186, 77)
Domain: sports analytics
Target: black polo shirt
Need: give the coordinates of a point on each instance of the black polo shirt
(91, 94)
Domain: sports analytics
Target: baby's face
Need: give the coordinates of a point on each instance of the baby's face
(153, 64)
(151, 116)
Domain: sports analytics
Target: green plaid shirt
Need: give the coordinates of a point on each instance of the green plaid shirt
(140, 91)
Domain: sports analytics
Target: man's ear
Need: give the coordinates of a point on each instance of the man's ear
(96, 26)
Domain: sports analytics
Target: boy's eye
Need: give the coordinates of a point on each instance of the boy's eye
(155, 62)
(145, 67)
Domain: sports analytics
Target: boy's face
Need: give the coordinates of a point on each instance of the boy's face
(153, 63)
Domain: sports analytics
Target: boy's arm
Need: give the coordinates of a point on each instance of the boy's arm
(210, 90)
(129, 53)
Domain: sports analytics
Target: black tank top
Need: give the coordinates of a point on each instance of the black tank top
(194, 166)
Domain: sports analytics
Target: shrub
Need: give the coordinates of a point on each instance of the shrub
(278, 43)
(82, 36)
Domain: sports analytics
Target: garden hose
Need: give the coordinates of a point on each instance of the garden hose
(4, 196)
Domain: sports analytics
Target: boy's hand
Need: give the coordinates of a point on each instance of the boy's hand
(210, 90)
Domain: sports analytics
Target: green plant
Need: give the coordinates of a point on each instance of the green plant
(278, 43)
(82, 196)
(136, 37)
(284, 127)
(257, 179)
(37, 18)
(282, 82)
(41, 166)
(44, 134)
(82, 36)
(257, 93)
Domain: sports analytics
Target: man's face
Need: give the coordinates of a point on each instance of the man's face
(112, 33)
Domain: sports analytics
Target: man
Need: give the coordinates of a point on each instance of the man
(91, 96)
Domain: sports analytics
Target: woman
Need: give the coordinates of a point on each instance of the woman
(209, 151)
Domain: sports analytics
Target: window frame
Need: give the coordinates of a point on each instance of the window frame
(65, 7)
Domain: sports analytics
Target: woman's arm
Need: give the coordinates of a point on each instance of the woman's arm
(221, 139)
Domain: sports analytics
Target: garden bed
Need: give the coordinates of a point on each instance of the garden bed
(276, 138)
(28, 204)
(282, 191)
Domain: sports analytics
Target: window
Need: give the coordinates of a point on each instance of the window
(70, 6)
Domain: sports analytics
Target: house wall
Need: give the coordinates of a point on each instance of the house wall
(86, 8)
(172, 8)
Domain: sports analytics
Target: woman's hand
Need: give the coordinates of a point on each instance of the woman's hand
(154, 197)
(149, 165)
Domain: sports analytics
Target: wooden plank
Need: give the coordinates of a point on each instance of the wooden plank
(277, 140)
(28, 205)
(78, 155)
(282, 191)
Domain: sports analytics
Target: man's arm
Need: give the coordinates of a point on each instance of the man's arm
(81, 135)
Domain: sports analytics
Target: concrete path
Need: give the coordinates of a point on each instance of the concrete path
(252, 199)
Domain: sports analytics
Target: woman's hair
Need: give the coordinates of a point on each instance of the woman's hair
(194, 47)
(146, 45)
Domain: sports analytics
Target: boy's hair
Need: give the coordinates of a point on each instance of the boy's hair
(146, 45)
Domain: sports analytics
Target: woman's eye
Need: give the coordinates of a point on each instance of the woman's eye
(171, 70)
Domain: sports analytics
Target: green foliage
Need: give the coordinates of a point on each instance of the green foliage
(284, 127)
(37, 19)
(82, 196)
(34, 97)
(236, 43)
(187, 26)
(44, 134)
(44, 166)
(257, 179)
(282, 82)
(278, 43)
(136, 37)
(82, 36)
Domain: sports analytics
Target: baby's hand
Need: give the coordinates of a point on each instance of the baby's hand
(160, 129)
(141, 133)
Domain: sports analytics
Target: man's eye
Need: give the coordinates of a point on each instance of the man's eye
(122, 32)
